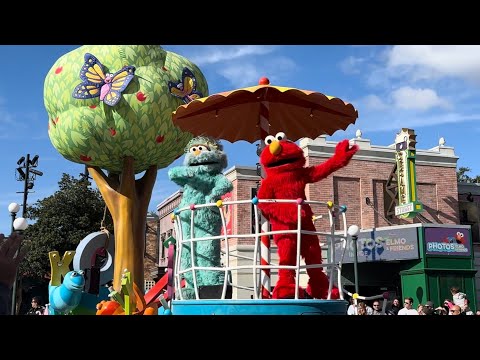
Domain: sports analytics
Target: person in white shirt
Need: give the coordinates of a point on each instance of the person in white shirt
(408, 307)
(458, 296)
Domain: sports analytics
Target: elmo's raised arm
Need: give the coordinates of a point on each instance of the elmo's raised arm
(342, 156)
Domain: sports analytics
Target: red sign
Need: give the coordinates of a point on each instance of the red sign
(228, 213)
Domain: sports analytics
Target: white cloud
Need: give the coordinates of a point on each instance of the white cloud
(6, 118)
(373, 102)
(417, 99)
(248, 73)
(351, 65)
(399, 119)
(432, 61)
(216, 54)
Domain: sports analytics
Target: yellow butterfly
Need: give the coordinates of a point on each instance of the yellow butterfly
(185, 89)
(95, 82)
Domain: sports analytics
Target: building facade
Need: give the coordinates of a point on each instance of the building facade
(361, 186)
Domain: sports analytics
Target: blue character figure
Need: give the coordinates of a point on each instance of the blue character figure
(379, 246)
(203, 182)
(66, 297)
(367, 247)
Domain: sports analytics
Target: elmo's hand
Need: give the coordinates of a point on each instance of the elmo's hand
(344, 151)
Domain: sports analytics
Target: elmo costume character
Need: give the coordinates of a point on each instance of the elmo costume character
(286, 178)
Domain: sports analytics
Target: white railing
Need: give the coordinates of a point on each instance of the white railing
(330, 241)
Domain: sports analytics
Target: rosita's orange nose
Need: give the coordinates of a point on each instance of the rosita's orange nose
(197, 152)
(275, 148)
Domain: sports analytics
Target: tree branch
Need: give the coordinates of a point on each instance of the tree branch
(113, 180)
(105, 186)
(110, 181)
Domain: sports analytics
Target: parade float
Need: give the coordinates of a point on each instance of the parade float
(124, 110)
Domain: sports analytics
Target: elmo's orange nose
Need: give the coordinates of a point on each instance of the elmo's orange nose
(275, 148)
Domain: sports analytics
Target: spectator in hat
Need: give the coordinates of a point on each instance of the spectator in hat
(428, 308)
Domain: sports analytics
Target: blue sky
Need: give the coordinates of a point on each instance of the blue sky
(432, 89)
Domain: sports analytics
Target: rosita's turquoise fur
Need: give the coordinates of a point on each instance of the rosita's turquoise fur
(66, 297)
(203, 182)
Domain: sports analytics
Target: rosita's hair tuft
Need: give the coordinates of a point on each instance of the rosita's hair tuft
(209, 141)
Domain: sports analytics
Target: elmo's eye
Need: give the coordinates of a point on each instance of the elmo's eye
(281, 136)
(269, 139)
(193, 149)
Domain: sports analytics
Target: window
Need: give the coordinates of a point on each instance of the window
(148, 285)
(163, 237)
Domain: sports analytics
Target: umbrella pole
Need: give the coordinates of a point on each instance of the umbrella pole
(265, 239)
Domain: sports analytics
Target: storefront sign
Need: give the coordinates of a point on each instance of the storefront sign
(381, 245)
(408, 205)
(447, 241)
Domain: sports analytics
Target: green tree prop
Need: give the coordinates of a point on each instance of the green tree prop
(135, 135)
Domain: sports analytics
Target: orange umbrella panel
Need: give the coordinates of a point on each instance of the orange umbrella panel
(235, 115)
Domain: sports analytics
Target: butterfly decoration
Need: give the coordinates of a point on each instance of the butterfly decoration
(95, 82)
(186, 89)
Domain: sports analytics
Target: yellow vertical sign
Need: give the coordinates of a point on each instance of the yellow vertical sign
(408, 204)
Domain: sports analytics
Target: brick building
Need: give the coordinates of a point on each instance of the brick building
(361, 186)
(152, 271)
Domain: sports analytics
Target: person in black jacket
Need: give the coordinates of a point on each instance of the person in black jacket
(37, 307)
(10, 258)
(394, 307)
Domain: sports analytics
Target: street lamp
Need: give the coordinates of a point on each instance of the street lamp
(18, 224)
(13, 209)
(353, 231)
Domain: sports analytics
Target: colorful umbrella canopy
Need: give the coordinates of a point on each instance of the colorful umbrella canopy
(236, 115)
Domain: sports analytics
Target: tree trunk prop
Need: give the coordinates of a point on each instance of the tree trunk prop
(127, 200)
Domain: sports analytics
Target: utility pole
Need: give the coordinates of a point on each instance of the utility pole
(25, 188)
(28, 177)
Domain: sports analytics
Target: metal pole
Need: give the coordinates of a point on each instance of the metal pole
(24, 214)
(25, 188)
(14, 288)
(355, 261)
(13, 220)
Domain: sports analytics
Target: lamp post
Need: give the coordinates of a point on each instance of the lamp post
(18, 224)
(26, 172)
(13, 209)
(353, 231)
